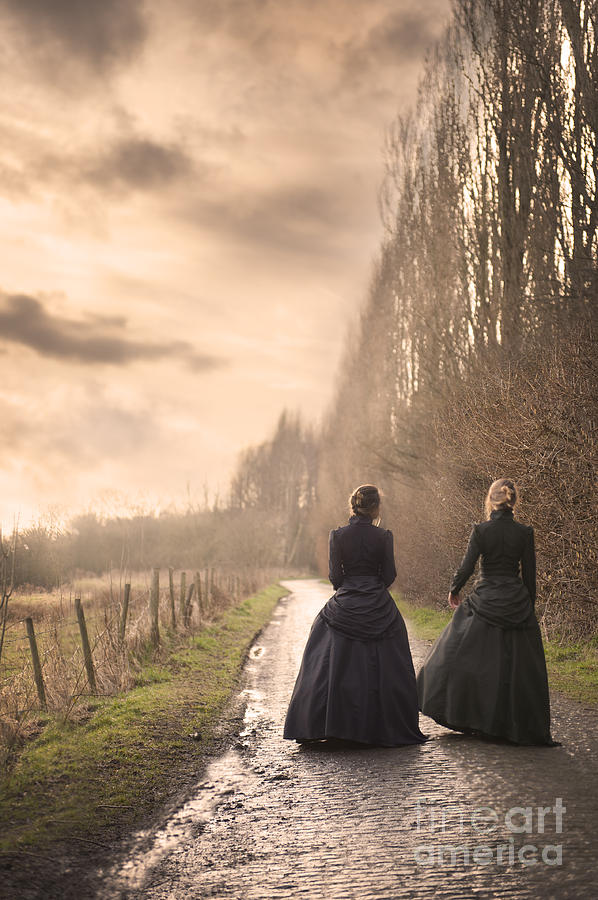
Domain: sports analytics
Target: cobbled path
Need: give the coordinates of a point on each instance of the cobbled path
(273, 819)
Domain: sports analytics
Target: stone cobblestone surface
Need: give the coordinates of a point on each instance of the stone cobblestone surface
(273, 819)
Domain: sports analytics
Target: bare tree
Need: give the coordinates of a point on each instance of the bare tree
(7, 579)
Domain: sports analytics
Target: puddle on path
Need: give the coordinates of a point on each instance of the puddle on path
(226, 775)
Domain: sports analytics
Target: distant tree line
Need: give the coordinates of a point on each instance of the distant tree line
(263, 522)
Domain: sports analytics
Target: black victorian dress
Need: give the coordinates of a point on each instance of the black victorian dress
(487, 672)
(356, 681)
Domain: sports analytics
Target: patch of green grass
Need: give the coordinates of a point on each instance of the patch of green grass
(426, 621)
(152, 674)
(101, 777)
(572, 668)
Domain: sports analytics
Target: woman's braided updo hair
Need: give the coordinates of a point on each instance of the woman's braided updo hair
(502, 494)
(365, 501)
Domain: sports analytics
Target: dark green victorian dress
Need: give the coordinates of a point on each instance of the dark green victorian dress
(487, 672)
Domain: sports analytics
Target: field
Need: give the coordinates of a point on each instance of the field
(121, 647)
(130, 752)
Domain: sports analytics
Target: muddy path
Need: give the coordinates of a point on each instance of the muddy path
(456, 817)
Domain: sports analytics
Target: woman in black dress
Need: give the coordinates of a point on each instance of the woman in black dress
(486, 673)
(356, 680)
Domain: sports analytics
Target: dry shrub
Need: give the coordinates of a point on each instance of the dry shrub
(535, 420)
(17, 701)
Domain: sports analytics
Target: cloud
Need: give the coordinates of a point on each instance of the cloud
(96, 340)
(305, 34)
(138, 162)
(99, 33)
(91, 431)
(125, 163)
(301, 219)
(400, 37)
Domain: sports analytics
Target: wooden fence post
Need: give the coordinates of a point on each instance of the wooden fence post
(87, 657)
(154, 605)
(188, 604)
(123, 614)
(171, 588)
(198, 595)
(183, 596)
(37, 669)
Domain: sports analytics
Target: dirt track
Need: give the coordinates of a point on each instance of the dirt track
(272, 819)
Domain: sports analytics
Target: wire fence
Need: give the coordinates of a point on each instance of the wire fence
(51, 661)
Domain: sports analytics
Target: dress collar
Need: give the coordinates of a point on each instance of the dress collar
(360, 520)
(506, 511)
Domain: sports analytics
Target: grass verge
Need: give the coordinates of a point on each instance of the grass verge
(426, 621)
(572, 668)
(94, 781)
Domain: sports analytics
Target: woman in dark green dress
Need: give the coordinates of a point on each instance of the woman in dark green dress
(486, 673)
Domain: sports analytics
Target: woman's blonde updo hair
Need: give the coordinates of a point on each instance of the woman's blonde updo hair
(502, 494)
(365, 501)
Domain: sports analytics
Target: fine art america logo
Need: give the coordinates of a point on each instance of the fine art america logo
(515, 837)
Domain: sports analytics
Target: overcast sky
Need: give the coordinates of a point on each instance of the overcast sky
(188, 220)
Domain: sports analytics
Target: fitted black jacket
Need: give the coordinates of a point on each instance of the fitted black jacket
(361, 548)
(506, 547)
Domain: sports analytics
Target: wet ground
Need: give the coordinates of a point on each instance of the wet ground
(453, 818)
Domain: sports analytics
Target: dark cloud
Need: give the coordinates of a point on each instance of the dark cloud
(139, 163)
(99, 33)
(24, 320)
(401, 37)
(300, 219)
(132, 163)
(372, 35)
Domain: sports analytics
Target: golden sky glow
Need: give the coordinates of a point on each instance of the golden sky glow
(188, 216)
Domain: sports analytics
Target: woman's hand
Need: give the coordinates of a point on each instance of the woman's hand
(454, 600)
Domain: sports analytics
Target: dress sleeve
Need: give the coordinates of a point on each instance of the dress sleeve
(465, 570)
(388, 570)
(335, 566)
(528, 565)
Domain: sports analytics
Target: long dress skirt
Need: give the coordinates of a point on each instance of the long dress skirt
(487, 672)
(356, 681)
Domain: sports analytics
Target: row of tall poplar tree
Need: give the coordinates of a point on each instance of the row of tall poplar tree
(475, 356)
